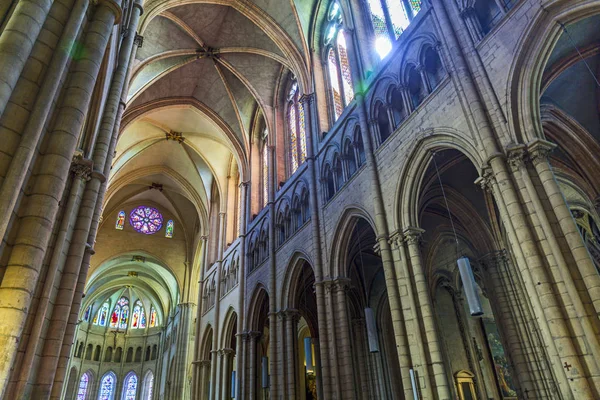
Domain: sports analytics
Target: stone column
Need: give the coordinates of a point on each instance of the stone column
(539, 151)
(228, 355)
(252, 370)
(196, 375)
(440, 378)
(424, 78)
(291, 353)
(343, 337)
(415, 351)
(467, 12)
(204, 367)
(16, 42)
(310, 114)
(382, 232)
(34, 232)
(535, 279)
(241, 322)
(15, 177)
(333, 350)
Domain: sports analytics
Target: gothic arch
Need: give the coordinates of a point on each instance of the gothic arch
(342, 236)
(413, 169)
(290, 277)
(525, 75)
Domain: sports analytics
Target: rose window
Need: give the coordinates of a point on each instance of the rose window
(147, 220)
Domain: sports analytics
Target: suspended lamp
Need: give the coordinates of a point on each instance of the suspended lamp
(372, 336)
(310, 368)
(265, 372)
(464, 266)
(233, 384)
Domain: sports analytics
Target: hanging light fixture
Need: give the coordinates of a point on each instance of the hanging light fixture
(371, 323)
(464, 266)
(233, 384)
(265, 372)
(310, 368)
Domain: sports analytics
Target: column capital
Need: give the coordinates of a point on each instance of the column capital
(227, 351)
(82, 167)
(254, 334)
(516, 156)
(486, 180)
(292, 314)
(396, 239)
(412, 234)
(204, 238)
(115, 7)
(539, 150)
(307, 98)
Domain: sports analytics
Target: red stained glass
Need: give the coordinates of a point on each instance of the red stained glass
(345, 67)
(302, 127)
(293, 136)
(146, 220)
(335, 83)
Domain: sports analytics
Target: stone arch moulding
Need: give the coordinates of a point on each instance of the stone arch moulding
(342, 236)
(407, 208)
(259, 293)
(293, 270)
(526, 72)
(228, 326)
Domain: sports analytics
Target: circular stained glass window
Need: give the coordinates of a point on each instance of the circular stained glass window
(147, 220)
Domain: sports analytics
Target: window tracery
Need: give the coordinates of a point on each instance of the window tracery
(83, 386)
(389, 18)
(146, 220)
(138, 319)
(100, 318)
(338, 63)
(130, 388)
(120, 314)
(296, 128)
(107, 386)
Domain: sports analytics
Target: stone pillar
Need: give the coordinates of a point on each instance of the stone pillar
(204, 368)
(15, 177)
(196, 375)
(467, 12)
(382, 232)
(291, 352)
(535, 279)
(228, 355)
(539, 151)
(333, 348)
(34, 232)
(311, 117)
(425, 311)
(252, 370)
(241, 338)
(16, 42)
(424, 78)
(343, 337)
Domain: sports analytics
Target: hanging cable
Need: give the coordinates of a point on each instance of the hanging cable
(564, 28)
(437, 171)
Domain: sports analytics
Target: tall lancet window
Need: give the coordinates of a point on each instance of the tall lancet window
(107, 386)
(296, 128)
(265, 169)
(338, 63)
(389, 19)
(120, 314)
(130, 388)
(138, 319)
(102, 315)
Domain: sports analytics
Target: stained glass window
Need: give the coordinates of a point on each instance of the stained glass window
(415, 5)
(293, 137)
(338, 65)
(265, 173)
(296, 127)
(120, 220)
(138, 318)
(383, 44)
(335, 83)
(83, 386)
(147, 220)
(86, 315)
(120, 314)
(169, 229)
(152, 317)
(107, 386)
(345, 67)
(148, 386)
(100, 318)
(130, 388)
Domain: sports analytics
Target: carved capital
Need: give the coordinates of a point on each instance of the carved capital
(413, 235)
(307, 99)
(254, 335)
(539, 150)
(516, 157)
(138, 41)
(395, 239)
(292, 314)
(82, 167)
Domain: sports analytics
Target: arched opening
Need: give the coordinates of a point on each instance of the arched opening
(383, 122)
(399, 111)
(206, 355)
(302, 335)
(416, 89)
(374, 361)
(229, 366)
(71, 383)
(433, 68)
(461, 221)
